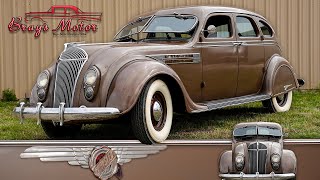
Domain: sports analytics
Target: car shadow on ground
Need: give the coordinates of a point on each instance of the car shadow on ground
(181, 123)
(221, 117)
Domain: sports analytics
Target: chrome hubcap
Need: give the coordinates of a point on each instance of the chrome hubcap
(158, 111)
(282, 99)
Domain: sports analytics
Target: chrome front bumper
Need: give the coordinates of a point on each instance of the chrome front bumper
(63, 114)
(271, 176)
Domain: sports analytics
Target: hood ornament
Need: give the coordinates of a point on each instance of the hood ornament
(104, 161)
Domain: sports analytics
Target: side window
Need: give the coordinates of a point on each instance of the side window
(70, 11)
(218, 27)
(246, 27)
(59, 10)
(265, 28)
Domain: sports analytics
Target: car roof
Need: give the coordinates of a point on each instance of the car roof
(200, 11)
(240, 125)
(64, 6)
(203, 11)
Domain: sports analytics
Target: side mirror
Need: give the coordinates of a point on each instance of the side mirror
(285, 135)
(202, 31)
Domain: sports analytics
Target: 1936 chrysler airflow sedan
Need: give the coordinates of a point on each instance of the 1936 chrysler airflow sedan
(257, 153)
(191, 59)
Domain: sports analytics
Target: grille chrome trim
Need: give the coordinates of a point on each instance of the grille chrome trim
(257, 158)
(71, 62)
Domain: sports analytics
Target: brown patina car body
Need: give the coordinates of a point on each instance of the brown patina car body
(199, 73)
(254, 151)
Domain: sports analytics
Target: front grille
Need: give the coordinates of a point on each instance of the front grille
(69, 67)
(257, 158)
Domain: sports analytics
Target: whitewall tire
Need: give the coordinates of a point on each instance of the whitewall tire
(152, 115)
(281, 103)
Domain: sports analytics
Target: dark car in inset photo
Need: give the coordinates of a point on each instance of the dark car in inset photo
(257, 153)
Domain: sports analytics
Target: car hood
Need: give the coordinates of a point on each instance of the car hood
(109, 58)
(104, 55)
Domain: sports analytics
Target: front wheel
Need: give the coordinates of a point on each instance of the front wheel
(281, 103)
(55, 131)
(151, 117)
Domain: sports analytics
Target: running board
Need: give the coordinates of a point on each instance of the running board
(218, 104)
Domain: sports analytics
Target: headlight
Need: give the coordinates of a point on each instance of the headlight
(43, 79)
(88, 93)
(41, 94)
(275, 161)
(91, 76)
(42, 84)
(91, 82)
(239, 161)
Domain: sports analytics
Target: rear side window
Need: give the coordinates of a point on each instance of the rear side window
(246, 27)
(222, 27)
(265, 28)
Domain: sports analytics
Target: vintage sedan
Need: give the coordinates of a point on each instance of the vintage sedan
(257, 153)
(191, 59)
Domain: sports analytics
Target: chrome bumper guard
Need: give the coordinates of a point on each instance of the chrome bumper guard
(271, 176)
(63, 114)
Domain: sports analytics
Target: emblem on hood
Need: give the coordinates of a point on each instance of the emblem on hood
(104, 161)
(177, 58)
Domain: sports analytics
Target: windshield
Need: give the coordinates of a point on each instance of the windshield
(178, 23)
(131, 30)
(159, 28)
(250, 131)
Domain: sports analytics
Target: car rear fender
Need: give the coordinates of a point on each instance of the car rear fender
(128, 83)
(279, 77)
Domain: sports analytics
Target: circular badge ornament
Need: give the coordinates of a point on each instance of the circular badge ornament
(103, 162)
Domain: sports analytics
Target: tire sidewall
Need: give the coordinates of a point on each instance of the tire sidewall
(158, 136)
(285, 107)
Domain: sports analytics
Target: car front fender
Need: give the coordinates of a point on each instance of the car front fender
(130, 80)
(288, 162)
(225, 162)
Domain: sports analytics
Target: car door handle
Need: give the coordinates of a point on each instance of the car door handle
(237, 43)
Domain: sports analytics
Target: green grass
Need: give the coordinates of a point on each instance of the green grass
(302, 121)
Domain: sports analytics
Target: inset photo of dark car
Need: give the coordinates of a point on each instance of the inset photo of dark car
(257, 153)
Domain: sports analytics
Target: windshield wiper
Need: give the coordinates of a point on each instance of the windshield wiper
(126, 37)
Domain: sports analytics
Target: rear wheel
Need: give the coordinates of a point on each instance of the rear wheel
(281, 103)
(151, 117)
(55, 131)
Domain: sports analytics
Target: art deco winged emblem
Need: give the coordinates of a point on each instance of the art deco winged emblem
(104, 161)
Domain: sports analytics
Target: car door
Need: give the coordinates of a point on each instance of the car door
(250, 55)
(220, 59)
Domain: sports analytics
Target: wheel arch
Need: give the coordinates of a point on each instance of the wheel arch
(279, 77)
(128, 84)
